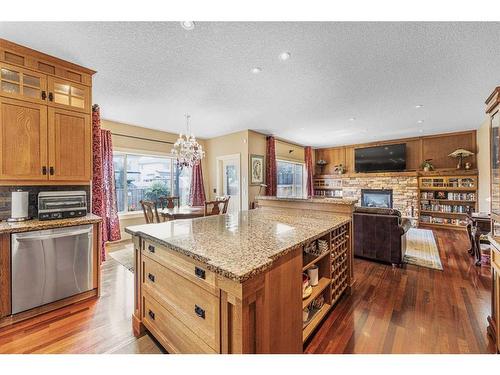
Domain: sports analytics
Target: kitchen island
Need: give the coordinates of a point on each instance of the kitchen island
(233, 283)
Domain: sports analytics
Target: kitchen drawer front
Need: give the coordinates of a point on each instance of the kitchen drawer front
(192, 305)
(170, 331)
(181, 264)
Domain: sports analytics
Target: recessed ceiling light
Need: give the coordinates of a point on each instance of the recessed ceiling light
(187, 25)
(419, 106)
(256, 70)
(421, 131)
(352, 119)
(420, 121)
(285, 56)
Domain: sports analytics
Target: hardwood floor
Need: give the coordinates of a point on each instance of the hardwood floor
(391, 310)
(413, 309)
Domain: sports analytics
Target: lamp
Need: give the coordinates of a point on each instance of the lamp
(460, 154)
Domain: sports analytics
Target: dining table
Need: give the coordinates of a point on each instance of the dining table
(182, 212)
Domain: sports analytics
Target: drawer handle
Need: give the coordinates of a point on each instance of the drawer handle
(151, 248)
(199, 311)
(151, 314)
(199, 272)
(151, 277)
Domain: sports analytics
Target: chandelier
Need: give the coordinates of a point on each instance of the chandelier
(186, 150)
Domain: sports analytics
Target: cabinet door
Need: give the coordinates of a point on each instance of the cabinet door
(19, 83)
(495, 163)
(70, 146)
(23, 140)
(69, 95)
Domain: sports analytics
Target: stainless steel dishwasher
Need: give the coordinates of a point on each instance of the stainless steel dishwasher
(50, 265)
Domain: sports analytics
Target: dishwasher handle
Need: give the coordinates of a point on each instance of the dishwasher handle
(53, 236)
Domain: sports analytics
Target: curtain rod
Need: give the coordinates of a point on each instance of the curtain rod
(141, 138)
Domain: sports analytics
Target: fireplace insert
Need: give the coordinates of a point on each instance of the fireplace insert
(376, 198)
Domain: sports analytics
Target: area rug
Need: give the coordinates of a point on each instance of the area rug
(125, 257)
(421, 249)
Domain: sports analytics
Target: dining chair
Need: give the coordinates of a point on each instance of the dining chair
(169, 202)
(150, 211)
(226, 204)
(214, 207)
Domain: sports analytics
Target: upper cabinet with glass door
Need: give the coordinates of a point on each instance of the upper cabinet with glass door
(19, 83)
(69, 95)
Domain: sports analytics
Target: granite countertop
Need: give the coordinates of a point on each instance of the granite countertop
(346, 201)
(242, 245)
(35, 224)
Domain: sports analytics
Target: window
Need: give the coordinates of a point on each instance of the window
(290, 179)
(148, 177)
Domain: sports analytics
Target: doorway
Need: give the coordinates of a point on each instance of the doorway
(229, 180)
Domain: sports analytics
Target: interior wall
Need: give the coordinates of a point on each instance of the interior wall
(128, 144)
(483, 163)
(230, 144)
(256, 146)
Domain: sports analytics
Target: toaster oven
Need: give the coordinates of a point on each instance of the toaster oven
(61, 204)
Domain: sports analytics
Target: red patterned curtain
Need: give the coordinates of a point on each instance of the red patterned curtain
(197, 190)
(309, 170)
(271, 189)
(103, 182)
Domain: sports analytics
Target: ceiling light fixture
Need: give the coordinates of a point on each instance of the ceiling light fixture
(285, 56)
(419, 106)
(256, 70)
(352, 119)
(186, 149)
(420, 121)
(187, 25)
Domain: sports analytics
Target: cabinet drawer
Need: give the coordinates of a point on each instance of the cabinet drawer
(170, 331)
(181, 264)
(194, 306)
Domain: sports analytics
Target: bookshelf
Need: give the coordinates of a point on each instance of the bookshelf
(446, 201)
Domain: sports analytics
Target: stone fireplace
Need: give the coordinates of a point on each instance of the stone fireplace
(381, 198)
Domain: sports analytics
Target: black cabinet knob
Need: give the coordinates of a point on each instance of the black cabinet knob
(51, 171)
(151, 277)
(199, 272)
(44, 95)
(51, 97)
(151, 248)
(151, 314)
(44, 170)
(199, 311)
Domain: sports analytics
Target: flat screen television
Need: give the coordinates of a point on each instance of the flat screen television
(390, 158)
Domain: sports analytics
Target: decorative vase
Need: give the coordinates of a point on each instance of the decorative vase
(426, 168)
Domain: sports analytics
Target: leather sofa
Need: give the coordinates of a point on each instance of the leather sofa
(380, 234)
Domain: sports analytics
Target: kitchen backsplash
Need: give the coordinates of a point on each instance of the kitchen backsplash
(5, 197)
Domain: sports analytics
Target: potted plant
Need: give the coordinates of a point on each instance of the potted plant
(427, 165)
(339, 169)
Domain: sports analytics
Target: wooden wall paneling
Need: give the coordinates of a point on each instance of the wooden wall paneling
(438, 148)
(435, 147)
(5, 300)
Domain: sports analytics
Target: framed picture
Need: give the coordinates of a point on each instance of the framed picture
(256, 169)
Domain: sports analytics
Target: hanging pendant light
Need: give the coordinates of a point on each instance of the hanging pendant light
(186, 149)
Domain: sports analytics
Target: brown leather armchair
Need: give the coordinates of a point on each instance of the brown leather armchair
(380, 234)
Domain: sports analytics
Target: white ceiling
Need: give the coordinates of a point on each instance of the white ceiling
(151, 74)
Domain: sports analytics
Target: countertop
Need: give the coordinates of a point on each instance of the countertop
(242, 245)
(346, 201)
(35, 224)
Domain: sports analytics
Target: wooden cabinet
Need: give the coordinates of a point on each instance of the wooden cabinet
(493, 111)
(70, 141)
(69, 95)
(19, 83)
(45, 119)
(23, 140)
